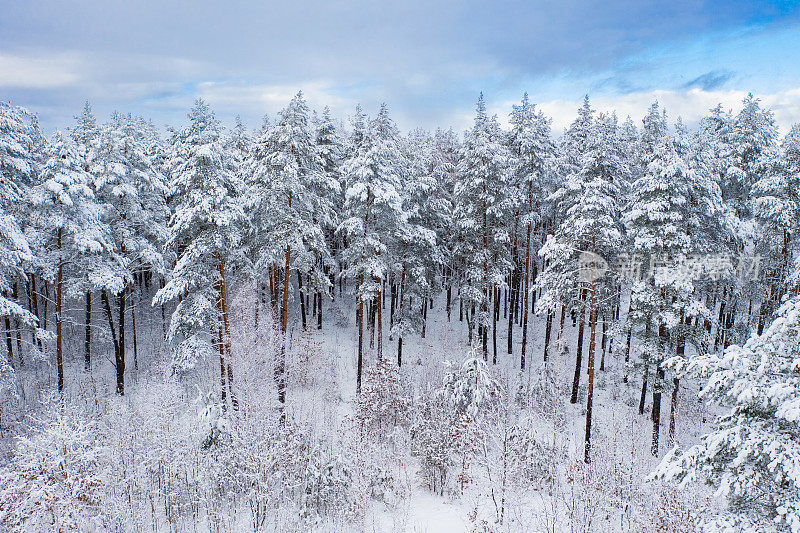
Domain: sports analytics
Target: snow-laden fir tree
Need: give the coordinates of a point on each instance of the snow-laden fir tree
(132, 194)
(673, 220)
(533, 150)
(68, 220)
(205, 232)
(483, 201)
(17, 174)
(373, 173)
(290, 203)
(590, 233)
(417, 257)
(444, 162)
(776, 206)
(752, 452)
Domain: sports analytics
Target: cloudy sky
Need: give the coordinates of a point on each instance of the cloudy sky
(427, 59)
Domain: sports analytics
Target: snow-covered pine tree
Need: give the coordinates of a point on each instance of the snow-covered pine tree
(444, 161)
(672, 218)
(417, 257)
(295, 194)
(482, 203)
(86, 134)
(373, 174)
(68, 218)
(132, 194)
(752, 452)
(205, 233)
(330, 146)
(776, 207)
(17, 174)
(533, 151)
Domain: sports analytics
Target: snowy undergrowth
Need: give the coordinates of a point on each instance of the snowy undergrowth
(444, 443)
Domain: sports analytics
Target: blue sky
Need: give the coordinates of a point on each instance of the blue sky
(427, 60)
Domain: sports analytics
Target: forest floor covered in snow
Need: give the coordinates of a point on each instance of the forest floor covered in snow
(168, 457)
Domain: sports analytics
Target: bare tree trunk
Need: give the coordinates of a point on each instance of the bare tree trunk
(578, 354)
(424, 316)
(656, 415)
(17, 326)
(223, 302)
(526, 286)
(133, 326)
(87, 344)
(360, 316)
(512, 305)
(302, 300)
(380, 321)
(643, 396)
(603, 342)
(627, 355)
(495, 314)
(35, 302)
(163, 312)
(400, 316)
(319, 310)
(222, 373)
(121, 357)
(590, 384)
(9, 340)
(59, 315)
(548, 329)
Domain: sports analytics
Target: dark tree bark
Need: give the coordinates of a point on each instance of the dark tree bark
(87, 343)
(578, 354)
(60, 316)
(590, 384)
(547, 332)
(302, 299)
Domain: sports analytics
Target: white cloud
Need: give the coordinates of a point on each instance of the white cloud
(39, 72)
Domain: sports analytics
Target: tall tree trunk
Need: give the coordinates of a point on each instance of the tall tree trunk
(400, 316)
(680, 350)
(590, 384)
(319, 310)
(604, 340)
(9, 339)
(87, 343)
(220, 334)
(134, 307)
(449, 299)
(578, 353)
(17, 326)
(121, 352)
(495, 314)
(360, 317)
(302, 300)
(163, 311)
(380, 320)
(512, 306)
(392, 304)
(547, 333)
(424, 316)
(35, 301)
(627, 355)
(643, 395)
(485, 286)
(656, 415)
(525, 291)
(223, 308)
(59, 315)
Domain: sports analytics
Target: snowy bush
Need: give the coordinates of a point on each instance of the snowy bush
(382, 403)
(55, 480)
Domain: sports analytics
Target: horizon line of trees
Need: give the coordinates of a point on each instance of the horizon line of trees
(497, 220)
